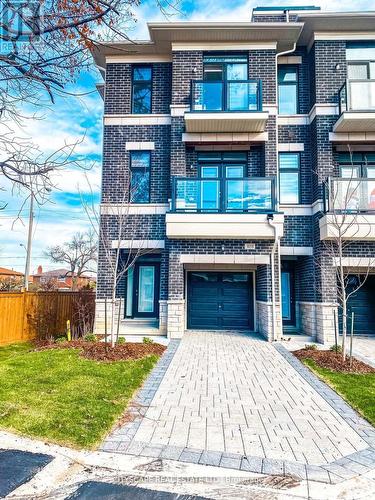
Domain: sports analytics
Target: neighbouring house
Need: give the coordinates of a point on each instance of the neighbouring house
(60, 279)
(10, 279)
(223, 136)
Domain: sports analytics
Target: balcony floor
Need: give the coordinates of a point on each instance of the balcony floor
(206, 122)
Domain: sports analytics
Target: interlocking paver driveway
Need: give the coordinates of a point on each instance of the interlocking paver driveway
(234, 393)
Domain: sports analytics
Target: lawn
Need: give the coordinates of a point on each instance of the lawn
(61, 397)
(357, 389)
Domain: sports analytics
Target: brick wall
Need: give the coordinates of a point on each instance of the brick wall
(327, 77)
(262, 65)
(116, 160)
(298, 231)
(187, 66)
(300, 134)
(118, 88)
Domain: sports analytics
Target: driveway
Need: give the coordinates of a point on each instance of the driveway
(364, 349)
(227, 395)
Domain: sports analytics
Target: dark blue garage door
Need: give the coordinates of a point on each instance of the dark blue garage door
(220, 300)
(362, 303)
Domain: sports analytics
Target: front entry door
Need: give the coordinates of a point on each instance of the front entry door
(287, 297)
(146, 290)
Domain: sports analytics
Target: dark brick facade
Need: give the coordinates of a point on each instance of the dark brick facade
(118, 88)
(115, 182)
(320, 76)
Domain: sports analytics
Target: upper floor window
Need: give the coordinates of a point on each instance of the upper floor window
(289, 175)
(225, 67)
(360, 57)
(356, 165)
(288, 89)
(225, 85)
(142, 89)
(140, 166)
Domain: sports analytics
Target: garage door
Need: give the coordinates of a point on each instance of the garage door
(362, 303)
(220, 300)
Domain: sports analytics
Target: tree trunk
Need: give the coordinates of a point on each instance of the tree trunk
(113, 310)
(344, 324)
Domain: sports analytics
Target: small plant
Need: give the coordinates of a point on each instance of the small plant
(147, 340)
(121, 340)
(336, 348)
(59, 340)
(311, 347)
(90, 337)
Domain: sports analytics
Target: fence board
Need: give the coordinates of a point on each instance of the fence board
(26, 315)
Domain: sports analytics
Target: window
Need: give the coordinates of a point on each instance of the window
(360, 58)
(288, 90)
(226, 83)
(140, 176)
(289, 175)
(353, 165)
(142, 83)
(219, 67)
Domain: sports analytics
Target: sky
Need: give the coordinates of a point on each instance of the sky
(74, 119)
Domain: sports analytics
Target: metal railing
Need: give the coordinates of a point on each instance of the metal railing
(214, 195)
(349, 195)
(235, 95)
(357, 95)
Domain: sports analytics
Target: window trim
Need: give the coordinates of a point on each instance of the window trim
(298, 170)
(137, 168)
(136, 66)
(296, 83)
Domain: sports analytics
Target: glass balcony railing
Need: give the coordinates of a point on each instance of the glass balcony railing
(212, 195)
(357, 95)
(349, 195)
(236, 95)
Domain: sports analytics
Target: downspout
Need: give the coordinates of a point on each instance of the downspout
(276, 245)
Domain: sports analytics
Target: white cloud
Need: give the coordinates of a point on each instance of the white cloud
(78, 180)
(222, 10)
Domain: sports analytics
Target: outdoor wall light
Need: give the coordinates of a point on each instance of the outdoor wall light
(269, 216)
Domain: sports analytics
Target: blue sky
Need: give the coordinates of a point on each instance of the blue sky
(72, 119)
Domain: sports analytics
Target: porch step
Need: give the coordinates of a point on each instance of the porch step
(140, 326)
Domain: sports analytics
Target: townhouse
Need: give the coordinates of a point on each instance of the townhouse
(229, 147)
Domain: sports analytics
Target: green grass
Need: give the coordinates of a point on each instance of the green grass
(357, 389)
(58, 396)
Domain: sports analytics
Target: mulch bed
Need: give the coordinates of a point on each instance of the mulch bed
(97, 350)
(333, 361)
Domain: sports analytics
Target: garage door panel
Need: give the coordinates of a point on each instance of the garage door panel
(235, 323)
(222, 301)
(362, 303)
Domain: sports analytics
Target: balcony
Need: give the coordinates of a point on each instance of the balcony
(212, 208)
(349, 206)
(357, 107)
(226, 106)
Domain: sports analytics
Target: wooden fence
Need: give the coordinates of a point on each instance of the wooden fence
(27, 315)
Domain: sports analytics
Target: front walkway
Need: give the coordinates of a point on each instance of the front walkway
(225, 397)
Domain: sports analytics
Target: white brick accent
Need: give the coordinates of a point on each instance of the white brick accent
(264, 320)
(133, 209)
(139, 244)
(291, 146)
(139, 146)
(289, 60)
(153, 119)
(317, 320)
(176, 319)
(223, 259)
